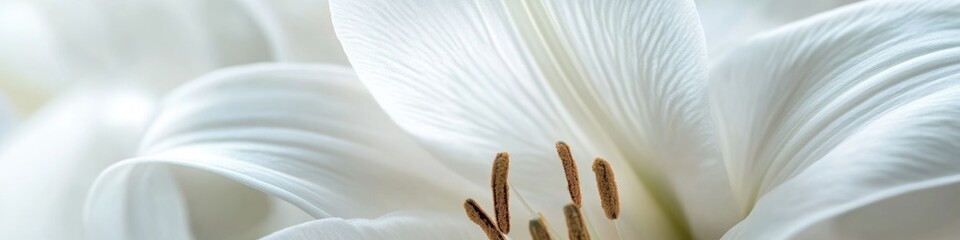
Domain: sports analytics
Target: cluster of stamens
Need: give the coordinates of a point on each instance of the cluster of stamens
(497, 228)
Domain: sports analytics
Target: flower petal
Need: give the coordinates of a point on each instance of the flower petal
(50, 161)
(796, 97)
(297, 30)
(621, 79)
(727, 23)
(908, 155)
(833, 74)
(398, 225)
(152, 44)
(928, 212)
(28, 60)
(307, 134)
(8, 118)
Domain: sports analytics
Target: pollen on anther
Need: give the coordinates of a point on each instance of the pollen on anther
(570, 170)
(501, 191)
(480, 217)
(575, 225)
(538, 228)
(607, 186)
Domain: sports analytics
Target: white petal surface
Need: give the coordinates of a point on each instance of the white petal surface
(811, 108)
(620, 79)
(27, 56)
(398, 225)
(297, 30)
(909, 155)
(927, 212)
(727, 23)
(152, 44)
(307, 134)
(51, 160)
(8, 118)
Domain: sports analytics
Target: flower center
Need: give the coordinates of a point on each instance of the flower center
(498, 228)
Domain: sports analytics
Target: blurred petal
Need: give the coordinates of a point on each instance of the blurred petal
(791, 98)
(400, 225)
(8, 118)
(28, 61)
(901, 168)
(307, 134)
(51, 160)
(150, 44)
(298, 30)
(727, 23)
(619, 79)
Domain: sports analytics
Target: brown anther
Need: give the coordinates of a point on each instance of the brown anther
(575, 225)
(501, 193)
(538, 228)
(570, 170)
(607, 186)
(480, 217)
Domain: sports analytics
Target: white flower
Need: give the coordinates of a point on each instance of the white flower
(844, 125)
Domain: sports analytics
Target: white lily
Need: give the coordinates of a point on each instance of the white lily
(844, 125)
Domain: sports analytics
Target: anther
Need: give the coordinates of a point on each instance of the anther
(607, 186)
(538, 228)
(575, 225)
(480, 217)
(501, 191)
(570, 170)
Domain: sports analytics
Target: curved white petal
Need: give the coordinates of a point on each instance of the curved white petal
(398, 225)
(927, 212)
(796, 98)
(908, 155)
(307, 134)
(164, 202)
(789, 97)
(221, 208)
(620, 79)
(297, 30)
(50, 161)
(152, 44)
(727, 23)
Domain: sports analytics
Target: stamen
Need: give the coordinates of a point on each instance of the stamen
(501, 191)
(538, 228)
(526, 205)
(570, 170)
(607, 186)
(480, 217)
(575, 226)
